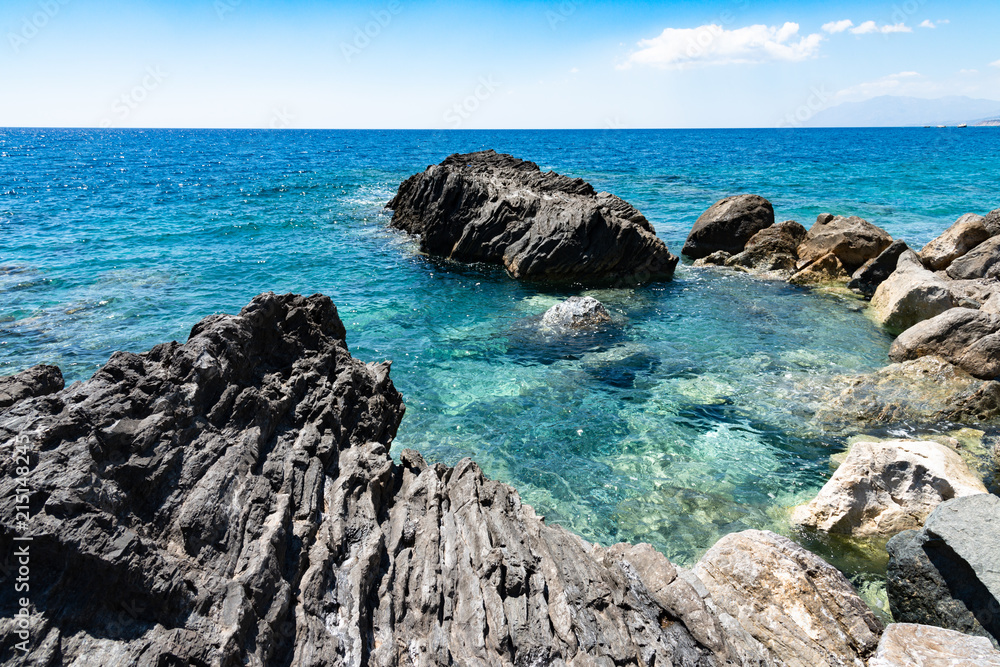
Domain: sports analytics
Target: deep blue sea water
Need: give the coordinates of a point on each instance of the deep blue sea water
(690, 418)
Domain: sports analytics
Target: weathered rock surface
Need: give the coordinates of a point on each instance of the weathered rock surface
(980, 262)
(992, 222)
(948, 573)
(968, 338)
(717, 258)
(910, 295)
(772, 249)
(911, 645)
(727, 225)
(795, 604)
(874, 272)
(886, 487)
(577, 312)
(232, 501)
(827, 269)
(486, 207)
(36, 381)
(927, 390)
(852, 239)
(965, 234)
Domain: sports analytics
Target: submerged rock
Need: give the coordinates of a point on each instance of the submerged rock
(727, 225)
(717, 258)
(38, 380)
(874, 272)
(910, 295)
(948, 573)
(577, 312)
(886, 487)
(912, 645)
(801, 608)
(486, 207)
(926, 390)
(968, 338)
(965, 234)
(853, 240)
(232, 501)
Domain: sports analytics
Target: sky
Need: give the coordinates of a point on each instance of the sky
(473, 65)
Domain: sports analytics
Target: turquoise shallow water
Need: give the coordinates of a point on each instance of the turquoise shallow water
(689, 418)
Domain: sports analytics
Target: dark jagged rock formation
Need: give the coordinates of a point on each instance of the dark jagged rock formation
(948, 573)
(727, 225)
(231, 501)
(874, 272)
(488, 207)
(36, 381)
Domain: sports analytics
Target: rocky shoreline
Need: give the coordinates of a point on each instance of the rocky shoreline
(231, 500)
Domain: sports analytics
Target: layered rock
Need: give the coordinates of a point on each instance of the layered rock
(801, 608)
(912, 645)
(980, 262)
(38, 380)
(232, 500)
(728, 225)
(577, 312)
(883, 488)
(853, 240)
(926, 390)
(948, 573)
(967, 338)
(910, 295)
(874, 272)
(486, 207)
(826, 269)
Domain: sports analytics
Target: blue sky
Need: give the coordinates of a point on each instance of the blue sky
(427, 64)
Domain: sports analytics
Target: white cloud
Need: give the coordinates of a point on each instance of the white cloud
(995, 63)
(680, 48)
(870, 27)
(837, 26)
(928, 24)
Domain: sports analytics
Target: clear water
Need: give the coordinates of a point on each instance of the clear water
(687, 419)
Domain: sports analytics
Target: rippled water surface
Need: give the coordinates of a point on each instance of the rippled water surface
(690, 417)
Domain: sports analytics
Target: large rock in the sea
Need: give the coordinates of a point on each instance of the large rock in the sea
(968, 338)
(727, 225)
(927, 390)
(577, 312)
(232, 501)
(874, 272)
(852, 239)
(771, 250)
(883, 488)
(38, 380)
(910, 295)
(983, 261)
(965, 234)
(948, 573)
(486, 207)
(913, 645)
(794, 603)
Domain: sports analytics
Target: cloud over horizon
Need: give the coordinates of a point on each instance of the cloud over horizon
(681, 48)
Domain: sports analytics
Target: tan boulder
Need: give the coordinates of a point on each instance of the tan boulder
(827, 269)
(883, 488)
(910, 295)
(965, 234)
(912, 645)
(853, 240)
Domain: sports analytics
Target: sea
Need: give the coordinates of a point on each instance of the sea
(694, 415)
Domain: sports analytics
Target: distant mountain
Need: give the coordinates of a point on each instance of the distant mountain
(890, 111)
